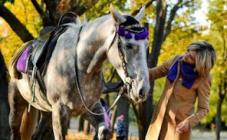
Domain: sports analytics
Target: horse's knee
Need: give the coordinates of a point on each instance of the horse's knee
(60, 120)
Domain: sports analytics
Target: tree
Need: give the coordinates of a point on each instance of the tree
(53, 9)
(14, 23)
(217, 14)
(4, 106)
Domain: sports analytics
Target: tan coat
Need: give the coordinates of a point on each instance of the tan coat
(177, 104)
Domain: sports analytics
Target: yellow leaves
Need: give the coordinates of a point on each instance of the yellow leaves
(4, 29)
(9, 45)
(9, 41)
(26, 13)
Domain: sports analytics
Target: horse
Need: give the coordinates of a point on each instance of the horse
(73, 77)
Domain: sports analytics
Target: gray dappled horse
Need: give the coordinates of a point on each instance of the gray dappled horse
(84, 47)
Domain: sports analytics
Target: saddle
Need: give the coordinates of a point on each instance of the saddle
(33, 57)
(38, 52)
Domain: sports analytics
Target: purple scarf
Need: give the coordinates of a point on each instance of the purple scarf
(187, 72)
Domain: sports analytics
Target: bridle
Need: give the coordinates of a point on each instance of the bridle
(127, 81)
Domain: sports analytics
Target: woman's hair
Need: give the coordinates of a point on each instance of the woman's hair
(205, 57)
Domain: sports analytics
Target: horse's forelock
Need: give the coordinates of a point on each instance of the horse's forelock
(129, 21)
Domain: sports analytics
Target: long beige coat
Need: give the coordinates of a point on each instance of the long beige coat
(177, 104)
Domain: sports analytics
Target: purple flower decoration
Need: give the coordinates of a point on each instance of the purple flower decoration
(128, 35)
(121, 31)
(142, 35)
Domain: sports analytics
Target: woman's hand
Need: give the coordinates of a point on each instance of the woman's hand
(183, 127)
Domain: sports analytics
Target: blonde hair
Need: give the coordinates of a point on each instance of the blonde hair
(205, 57)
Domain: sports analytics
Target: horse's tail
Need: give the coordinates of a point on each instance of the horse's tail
(12, 64)
(28, 123)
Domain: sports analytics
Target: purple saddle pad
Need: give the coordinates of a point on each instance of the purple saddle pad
(22, 62)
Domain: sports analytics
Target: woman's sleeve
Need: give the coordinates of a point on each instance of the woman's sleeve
(162, 70)
(203, 102)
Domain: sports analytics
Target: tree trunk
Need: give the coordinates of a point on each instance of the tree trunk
(55, 8)
(218, 118)
(158, 33)
(147, 107)
(15, 24)
(4, 106)
(222, 92)
(222, 89)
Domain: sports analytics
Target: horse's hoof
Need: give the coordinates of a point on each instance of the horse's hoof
(105, 134)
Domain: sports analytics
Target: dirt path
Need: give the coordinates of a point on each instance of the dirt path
(133, 133)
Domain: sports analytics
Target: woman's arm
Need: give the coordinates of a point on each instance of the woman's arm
(162, 70)
(203, 102)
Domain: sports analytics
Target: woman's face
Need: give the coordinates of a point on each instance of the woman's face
(189, 57)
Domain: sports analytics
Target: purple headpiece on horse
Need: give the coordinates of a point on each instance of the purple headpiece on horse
(128, 32)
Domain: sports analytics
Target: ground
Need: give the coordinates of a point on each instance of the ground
(196, 135)
(133, 133)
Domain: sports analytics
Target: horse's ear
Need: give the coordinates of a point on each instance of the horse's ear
(78, 20)
(140, 14)
(116, 15)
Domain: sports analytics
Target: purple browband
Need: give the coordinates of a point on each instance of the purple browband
(128, 35)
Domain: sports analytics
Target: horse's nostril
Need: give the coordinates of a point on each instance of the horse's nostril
(141, 93)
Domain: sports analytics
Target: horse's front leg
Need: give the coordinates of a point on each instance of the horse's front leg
(102, 126)
(60, 120)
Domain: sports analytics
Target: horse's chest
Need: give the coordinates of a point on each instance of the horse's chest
(90, 90)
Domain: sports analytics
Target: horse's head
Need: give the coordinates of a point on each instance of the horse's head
(128, 54)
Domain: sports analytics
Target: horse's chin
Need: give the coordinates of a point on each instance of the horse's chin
(135, 99)
(137, 102)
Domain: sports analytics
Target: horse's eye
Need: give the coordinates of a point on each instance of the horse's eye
(129, 46)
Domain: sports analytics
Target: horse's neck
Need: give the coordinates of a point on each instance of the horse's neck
(93, 40)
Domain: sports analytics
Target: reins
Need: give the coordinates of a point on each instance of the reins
(127, 84)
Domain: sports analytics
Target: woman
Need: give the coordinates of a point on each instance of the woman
(187, 79)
